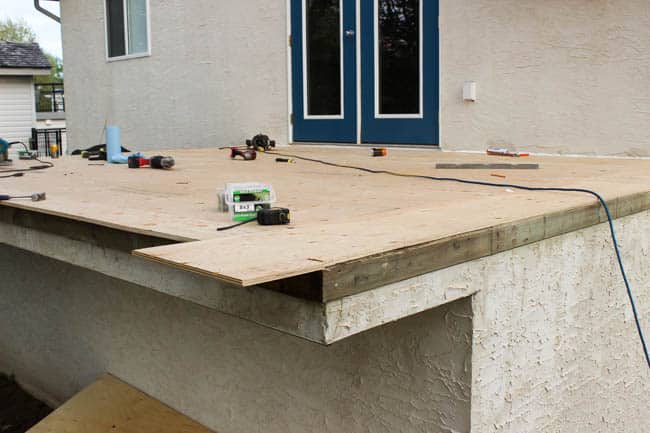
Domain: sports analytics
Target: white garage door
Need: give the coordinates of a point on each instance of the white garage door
(17, 112)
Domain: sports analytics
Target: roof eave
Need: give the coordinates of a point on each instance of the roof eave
(5, 71)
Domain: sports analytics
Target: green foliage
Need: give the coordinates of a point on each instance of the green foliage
(16, 31)
(20, 31)
(56, 73)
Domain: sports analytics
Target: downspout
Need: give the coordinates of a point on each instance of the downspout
(41, 9)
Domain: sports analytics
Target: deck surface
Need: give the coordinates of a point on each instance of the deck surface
(340, 216)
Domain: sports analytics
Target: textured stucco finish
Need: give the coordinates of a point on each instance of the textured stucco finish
(553, 76)
(62, 329)
(555, 348)
(217, 75)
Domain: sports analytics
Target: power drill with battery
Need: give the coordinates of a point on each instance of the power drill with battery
(159, 162)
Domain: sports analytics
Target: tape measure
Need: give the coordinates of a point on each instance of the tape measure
(273, 217)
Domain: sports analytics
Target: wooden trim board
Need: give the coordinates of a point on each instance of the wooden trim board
(365, 274)
(110, 405)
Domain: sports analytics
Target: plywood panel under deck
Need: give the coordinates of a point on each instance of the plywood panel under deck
(110, 405)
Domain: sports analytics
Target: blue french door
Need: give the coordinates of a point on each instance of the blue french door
(323, 40)
(399, 52)
(397, 83)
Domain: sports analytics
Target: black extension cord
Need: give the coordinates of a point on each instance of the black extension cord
(44, 164)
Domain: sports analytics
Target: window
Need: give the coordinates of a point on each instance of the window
(127, 32)
(324, 57)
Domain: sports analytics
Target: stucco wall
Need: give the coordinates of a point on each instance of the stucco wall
(549, 344)
(553, 76)
(61, 326)
(217, 75)
(555, 348)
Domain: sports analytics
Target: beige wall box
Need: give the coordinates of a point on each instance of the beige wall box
(469, 91)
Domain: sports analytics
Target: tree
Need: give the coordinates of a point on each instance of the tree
(56, 73)
(16, 31)
(20, 31)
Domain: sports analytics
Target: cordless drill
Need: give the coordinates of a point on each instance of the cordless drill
(159, 162)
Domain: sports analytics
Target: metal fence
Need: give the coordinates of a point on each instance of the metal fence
(42, 140)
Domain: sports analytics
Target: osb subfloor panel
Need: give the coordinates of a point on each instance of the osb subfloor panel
(110, 405)
(339, 215)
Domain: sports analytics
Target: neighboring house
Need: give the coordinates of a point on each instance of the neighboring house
(19, 63)
(558, 77)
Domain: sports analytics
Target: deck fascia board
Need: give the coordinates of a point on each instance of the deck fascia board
(357, 276)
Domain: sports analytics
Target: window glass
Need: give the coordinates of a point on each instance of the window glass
(137, 25)
(127, 27)
(323, 33)
(399, 56)
(115, 28)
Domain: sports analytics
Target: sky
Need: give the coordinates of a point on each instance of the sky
(48, 31)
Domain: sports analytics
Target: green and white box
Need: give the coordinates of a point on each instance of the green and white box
(244, 200)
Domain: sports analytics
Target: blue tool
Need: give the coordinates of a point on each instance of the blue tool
(4, 151)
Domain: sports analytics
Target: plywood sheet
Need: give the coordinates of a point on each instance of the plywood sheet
(285, 252)
(110, 405)
(338, 214)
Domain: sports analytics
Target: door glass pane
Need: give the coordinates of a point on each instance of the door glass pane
(137, 22)
(323, 56)
(399, 56)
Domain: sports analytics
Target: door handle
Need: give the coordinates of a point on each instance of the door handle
(350, 33)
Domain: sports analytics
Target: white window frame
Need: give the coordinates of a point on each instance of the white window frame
(420, 114)
(305, 95)
(126, 34)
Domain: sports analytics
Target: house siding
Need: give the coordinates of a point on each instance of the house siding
(17, 112)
